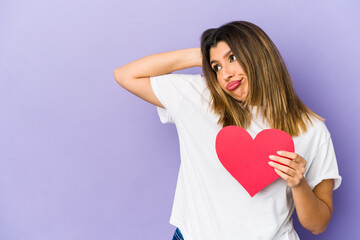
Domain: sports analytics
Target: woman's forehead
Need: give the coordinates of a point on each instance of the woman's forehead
(220, 51)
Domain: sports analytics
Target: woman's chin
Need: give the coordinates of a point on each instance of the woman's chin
(239, 99)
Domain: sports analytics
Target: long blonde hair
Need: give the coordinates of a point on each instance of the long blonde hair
(270, 86)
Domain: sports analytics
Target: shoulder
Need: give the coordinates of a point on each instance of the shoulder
(174, 88)
(173, 85)
(186, 83)
(316, 132)
(318, 126)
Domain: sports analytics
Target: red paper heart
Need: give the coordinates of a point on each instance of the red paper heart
(247, 159)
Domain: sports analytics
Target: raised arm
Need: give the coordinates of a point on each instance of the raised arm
(135, 76)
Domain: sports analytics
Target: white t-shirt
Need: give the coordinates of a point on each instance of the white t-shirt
(209, 203)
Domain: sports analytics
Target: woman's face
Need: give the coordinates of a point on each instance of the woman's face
(229, 73)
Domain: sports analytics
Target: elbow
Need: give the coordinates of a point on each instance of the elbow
(120, 76)
(315, 228)
(117, 75)
(318, 231)
(319, 226)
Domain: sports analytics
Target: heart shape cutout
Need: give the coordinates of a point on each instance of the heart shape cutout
(246, 159)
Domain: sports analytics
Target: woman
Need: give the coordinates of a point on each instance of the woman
(245, 83)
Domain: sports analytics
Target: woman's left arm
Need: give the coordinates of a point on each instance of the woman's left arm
(314, 208)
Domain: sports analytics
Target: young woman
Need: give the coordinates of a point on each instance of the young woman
(245, 83)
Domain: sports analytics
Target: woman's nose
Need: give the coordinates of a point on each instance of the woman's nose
(227, 72)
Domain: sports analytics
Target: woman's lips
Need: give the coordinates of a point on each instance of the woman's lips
(233, 85)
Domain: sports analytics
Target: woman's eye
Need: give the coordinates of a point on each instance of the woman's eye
(232, 57)
(216, 68)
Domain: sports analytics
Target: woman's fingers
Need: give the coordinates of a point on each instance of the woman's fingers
(291, 155)
(285, 169)
(286, 154)
(282, 160)
(289, 166)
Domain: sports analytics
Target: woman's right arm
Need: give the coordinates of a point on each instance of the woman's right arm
(135, 76)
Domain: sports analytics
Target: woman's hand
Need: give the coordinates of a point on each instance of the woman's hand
(291, 169)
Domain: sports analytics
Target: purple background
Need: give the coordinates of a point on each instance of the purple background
(81, 158)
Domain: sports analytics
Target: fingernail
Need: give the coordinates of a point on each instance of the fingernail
(272, 157)
(279, 152)
(271, 163)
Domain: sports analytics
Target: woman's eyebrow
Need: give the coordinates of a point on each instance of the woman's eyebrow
(226, 54)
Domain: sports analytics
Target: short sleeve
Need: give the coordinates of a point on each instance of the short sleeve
(324, 166)
(170, 89)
